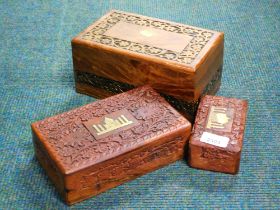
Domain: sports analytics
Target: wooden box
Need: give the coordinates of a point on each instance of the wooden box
(91, 149)
(217, 135)
(123, 50)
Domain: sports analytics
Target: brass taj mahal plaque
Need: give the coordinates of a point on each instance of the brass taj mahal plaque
(114, 122)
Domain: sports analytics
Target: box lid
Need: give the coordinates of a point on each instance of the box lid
(107, 128)
(220, 123)
(151, 39)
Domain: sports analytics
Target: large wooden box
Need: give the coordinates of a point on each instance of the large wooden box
(91, 149)
(123, 50)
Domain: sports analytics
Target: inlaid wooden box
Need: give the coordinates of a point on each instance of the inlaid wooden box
(122, 50)
(91, 149)
(217, 136)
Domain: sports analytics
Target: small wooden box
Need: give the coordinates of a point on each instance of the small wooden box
(217, 135)
(91, 149)
(123, 50)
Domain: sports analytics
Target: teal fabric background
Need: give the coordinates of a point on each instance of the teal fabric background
(36, 82)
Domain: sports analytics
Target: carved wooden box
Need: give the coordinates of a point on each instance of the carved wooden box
(123, 50)
(91, 149)
(217, 135)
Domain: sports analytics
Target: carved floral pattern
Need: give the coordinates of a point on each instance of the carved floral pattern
(74, 144)
(118, 170)
(187, 56)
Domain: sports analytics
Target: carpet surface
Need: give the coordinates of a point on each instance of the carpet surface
(37, 81)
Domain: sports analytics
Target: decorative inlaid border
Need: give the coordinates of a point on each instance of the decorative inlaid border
(187, 56)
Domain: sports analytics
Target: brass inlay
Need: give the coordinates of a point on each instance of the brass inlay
(110, 124)
(220, 118)
(145, 35)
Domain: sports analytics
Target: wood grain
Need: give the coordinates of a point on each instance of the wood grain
(93, 85)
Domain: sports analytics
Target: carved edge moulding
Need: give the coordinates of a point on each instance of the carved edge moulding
(112, 87)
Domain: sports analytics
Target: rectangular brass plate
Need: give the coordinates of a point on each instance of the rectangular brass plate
(220, 118)
(149, 36)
